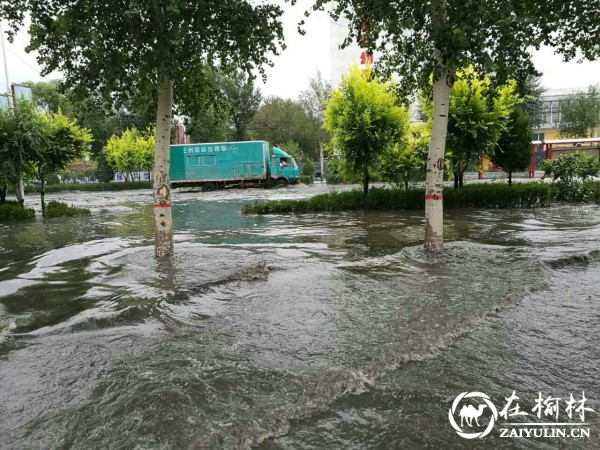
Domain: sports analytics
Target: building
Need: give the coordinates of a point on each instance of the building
(551, 116)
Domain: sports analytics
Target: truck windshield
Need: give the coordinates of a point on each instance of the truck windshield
(294, 162)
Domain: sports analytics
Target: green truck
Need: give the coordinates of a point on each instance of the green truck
(227, 164)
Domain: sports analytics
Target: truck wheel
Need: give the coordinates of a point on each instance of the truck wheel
(209, 187)
(280, 183)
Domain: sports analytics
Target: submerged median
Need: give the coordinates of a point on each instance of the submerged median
(524, 195)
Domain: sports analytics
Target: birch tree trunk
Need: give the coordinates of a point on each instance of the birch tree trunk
(20, 190)
(434, 182)
(163, 239)
(322, 161)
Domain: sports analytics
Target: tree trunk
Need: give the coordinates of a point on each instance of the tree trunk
(42, 194)
(366, 180)
(322, 161)
(163, 240)
(461, 178)
(3, 189)
(455, 180)
(406, 184)
(510, 177)
(434, 182)
(20, 188)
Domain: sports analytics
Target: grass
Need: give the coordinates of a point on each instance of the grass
(59, 209)
(12, 210)
(113, 186)
(487, 196)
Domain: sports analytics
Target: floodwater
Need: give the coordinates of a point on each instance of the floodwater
(326, 331)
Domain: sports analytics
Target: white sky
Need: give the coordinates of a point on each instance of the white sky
(305, 54)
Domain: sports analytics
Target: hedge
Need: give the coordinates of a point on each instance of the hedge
(519, 195)
(59, 209)
(12, 210)
(113, 186)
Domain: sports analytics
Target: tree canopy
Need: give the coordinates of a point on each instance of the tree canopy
(364, 120)
(281, 120)
(580, 113)
(478, 115)
(37, 143)
(514, 148)
(132, 151)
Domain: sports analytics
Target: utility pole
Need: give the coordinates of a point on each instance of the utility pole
(8, 93)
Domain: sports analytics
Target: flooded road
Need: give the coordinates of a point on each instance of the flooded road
(316, 331)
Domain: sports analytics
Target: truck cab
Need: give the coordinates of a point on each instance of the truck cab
(284, 169)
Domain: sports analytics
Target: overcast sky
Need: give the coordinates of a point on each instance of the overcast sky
(306, 54)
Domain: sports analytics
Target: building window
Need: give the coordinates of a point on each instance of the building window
(537, 137)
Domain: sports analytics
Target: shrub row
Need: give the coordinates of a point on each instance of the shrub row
(59, 209)
(113, 186)
(520, 195)
(306, 179)
(14, 211)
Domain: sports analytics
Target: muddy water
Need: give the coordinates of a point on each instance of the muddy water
(321, 331)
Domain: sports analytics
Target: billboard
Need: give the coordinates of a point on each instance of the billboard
(21, 92)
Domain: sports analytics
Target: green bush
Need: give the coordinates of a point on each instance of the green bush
(114, 186)
(308, 169)
(571, 165)
(306, 179)
(59, 209)
(520, 195)
(333, 178)
(14, 211)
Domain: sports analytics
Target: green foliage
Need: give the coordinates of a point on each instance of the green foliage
(37, 143)
(580, 113)
(90, 112)
(230, 115)
(405, 163)
(62, 141)
(493, 37)
(104, 173)
(478, 115)
(308, 169)
(364, 121)
(514, 146)
(243, 100)
(133, 150)
(121, 52)
(20, 136)
(313, 100)
(14, 211)
(532, 91)
(49, 96)
(94, 187)
(281, 120)
(293, 149)
(306, 179)
(207, 125)
(572, 165)
(523, 195)
(59, 209)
